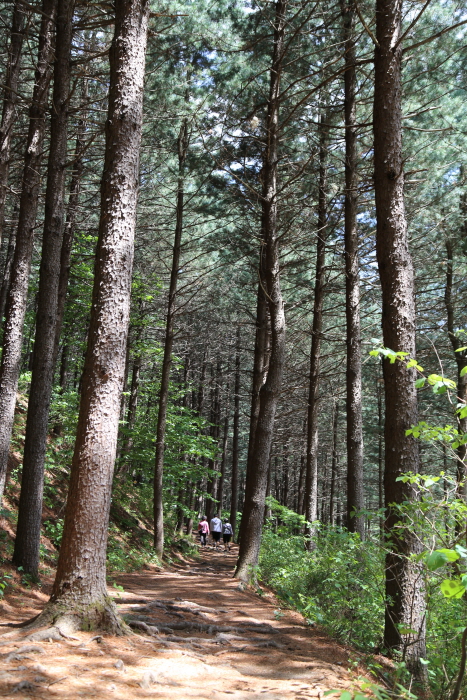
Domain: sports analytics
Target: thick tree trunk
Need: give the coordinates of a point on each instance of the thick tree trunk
(404, 583)
(235, 439)
(17, 295)
(461, 361)
(257, 468)
(79, 594)
(311, 475)
(168, 344)
(9, 111)
(355, 494)
(26, 552)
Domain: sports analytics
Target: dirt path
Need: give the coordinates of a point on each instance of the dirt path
(213, 641)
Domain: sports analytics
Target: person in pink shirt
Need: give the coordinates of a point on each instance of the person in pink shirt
(203, 529)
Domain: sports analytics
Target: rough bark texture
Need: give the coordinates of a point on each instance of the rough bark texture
(404, 584)
(79, 591)
(17, 295)
(168, 344)
(26, 553)
(9, 111)
(236, 422)
(311, 477)
(355, 493)
(257, 468)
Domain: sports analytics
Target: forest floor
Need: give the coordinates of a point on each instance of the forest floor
(214, 641)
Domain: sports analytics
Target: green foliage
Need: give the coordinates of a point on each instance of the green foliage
(339, 584)
(4, 580)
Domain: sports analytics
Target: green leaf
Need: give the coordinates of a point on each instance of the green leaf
(462, 349)
(450, 554)
(462, 551)
(420, 383)
(374, 353)
(452, 588)
(411, 363)
(463, 371)
(346, 695)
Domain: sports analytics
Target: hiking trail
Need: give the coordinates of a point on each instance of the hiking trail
(211, 641)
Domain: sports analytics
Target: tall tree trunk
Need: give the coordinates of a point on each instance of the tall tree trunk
(183, 140)
(79, 593)
(332, 500)
(26, 552)
(461, 361)
(257, 468)
(10, 254)
(235, 439)
(70, 224)
(9, 111)
(220, 490)
(405, 592)
(17, 294)
(355, 493)
(311, 477)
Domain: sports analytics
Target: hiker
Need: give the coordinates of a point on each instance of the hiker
(203, 530)
(216, 530)
(227, 532)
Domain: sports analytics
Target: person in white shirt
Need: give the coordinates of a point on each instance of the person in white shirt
(216, 530)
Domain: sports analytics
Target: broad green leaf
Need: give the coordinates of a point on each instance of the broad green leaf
(435, 560)
(346, 695)
(449, 554)
(374, 353)
(420, 383)
(462, 349)
(452, 588)
(463, 371)
(462, 551)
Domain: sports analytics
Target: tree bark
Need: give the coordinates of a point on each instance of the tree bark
(257, 468)
(311, 474)
(26, 552)
(79, 594)
(10, 100)
(404, 584)
(17, 294)
(10, 254)
(355, 493)
(332, 500)
(220, 489)
(183, 141)
(235, 439)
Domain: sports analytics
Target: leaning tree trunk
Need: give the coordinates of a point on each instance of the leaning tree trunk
(461, 361)
(28, 532)
(168, 345)
(17, 294)
(258, 465)
(405, 592)
(9, 111)
(355, 493)
(311, 474)
(79, 594)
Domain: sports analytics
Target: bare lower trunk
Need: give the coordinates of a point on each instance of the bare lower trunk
(311, 478)
(355, 494)
(79, 592)
(17, 295)
(26, 553)
(405, 592)
(220, 490)
(258, 464)
(168, 344)
(332, 500)
(10, 254)
(236, 421)
(9, 112)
